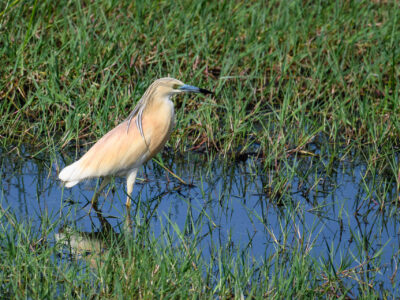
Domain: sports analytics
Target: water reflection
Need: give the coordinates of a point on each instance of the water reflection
(334, 209)
(88, 246)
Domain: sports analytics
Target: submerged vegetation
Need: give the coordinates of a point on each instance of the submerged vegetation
(301, 87)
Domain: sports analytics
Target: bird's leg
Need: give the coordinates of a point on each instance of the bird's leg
(130, 181)
(105, 225)
(96, 195)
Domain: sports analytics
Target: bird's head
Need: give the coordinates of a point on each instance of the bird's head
(170, 86)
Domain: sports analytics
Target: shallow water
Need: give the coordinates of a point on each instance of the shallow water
(333, 215)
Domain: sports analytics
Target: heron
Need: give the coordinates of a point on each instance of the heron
(124, 149)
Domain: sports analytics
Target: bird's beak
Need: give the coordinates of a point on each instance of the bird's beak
(193, 89)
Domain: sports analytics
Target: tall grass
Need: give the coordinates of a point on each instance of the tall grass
(283, 72)
(170, 265)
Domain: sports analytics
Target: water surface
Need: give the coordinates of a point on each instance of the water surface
(337, 215)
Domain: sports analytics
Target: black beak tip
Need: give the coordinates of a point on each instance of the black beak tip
(206, 92)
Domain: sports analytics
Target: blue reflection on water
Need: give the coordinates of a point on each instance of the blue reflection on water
(332, 216)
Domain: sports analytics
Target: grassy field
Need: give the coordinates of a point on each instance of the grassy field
(285, 71)
(287, 75)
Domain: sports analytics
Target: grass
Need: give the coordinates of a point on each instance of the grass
(131, 270)
(282, 71)
(170, 265)
(300, 86)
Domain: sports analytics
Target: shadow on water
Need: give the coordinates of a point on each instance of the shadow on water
(335, 211)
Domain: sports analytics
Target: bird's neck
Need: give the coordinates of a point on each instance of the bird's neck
(159, 105)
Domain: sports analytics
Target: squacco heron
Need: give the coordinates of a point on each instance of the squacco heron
(124, 149)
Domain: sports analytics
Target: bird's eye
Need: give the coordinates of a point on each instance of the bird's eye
(175, 86)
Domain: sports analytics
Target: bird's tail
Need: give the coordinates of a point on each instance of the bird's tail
(70, 175)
